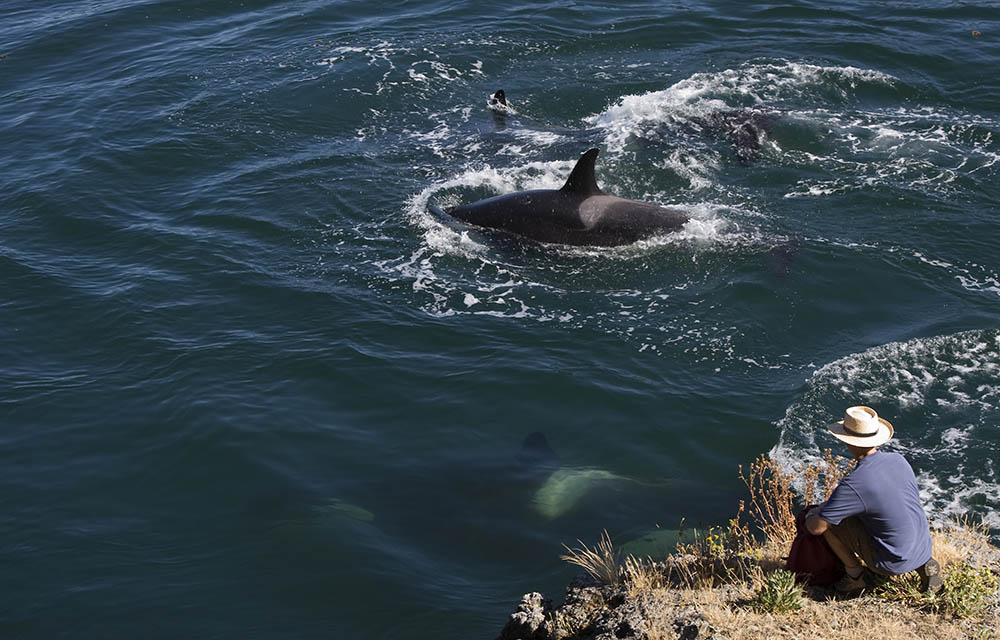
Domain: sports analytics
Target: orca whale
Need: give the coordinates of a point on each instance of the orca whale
(499, 100)
(745, 129)
(500, 109)
(579, 213)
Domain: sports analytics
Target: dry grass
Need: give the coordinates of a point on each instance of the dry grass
(948, 549)
(642, 574)
(601, 562)
(833, 620)
(960, 540)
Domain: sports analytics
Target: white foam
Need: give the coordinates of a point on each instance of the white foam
(698, 166)
(904, 148)
(537, 138)
(972, 276)
(910, 147)
(751, 84)
(411, 68)
(338, 54)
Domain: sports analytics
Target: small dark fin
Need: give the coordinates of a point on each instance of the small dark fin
(582, 181)
(445, 218)
(436, 210)
(746, 130)
(499, 109)
(782, 255)
(535, 451)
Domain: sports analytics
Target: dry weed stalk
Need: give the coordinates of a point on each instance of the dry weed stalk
(772, 499)
(642, 574)
(821, 478)
(723, 555)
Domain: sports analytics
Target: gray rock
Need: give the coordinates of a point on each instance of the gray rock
(528, 621)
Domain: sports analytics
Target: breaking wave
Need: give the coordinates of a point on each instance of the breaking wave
(853, 127)
(942, 394)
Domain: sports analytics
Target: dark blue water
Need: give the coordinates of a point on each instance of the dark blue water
(250, 388)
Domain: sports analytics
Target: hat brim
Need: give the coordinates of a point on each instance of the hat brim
(883, 435)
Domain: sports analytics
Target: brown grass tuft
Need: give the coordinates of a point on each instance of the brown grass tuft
(642, 574)
(601, 562)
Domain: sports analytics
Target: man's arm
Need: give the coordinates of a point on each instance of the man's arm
(843, 502)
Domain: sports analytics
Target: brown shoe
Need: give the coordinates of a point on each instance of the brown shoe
(930, 577)
(848, 584)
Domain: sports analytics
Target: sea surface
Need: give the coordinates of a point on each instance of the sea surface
(250, 388)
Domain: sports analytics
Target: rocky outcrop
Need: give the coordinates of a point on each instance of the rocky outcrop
(656, 606)
(530, 620)
(596, 612)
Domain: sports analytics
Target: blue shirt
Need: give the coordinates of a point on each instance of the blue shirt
(882, 492)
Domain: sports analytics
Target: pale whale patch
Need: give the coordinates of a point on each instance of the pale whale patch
(336, 508)
(562, 490)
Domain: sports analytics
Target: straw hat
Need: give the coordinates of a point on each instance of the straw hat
(862, 427)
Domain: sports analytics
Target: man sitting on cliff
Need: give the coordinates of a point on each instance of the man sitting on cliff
(874, 513)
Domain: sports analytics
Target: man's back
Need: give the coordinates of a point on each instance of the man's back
(882, 492)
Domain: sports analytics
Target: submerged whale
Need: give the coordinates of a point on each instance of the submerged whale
(746, 129)
(564, 487)
(578, 214)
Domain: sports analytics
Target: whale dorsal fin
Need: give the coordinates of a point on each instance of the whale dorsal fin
(535, 451)
(582, 181)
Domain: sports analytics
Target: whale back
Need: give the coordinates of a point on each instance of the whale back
(579, 213)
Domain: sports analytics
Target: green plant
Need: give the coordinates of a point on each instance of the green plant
(904, 588)
(725, 554)
(601, 562)
(779, 593)
(967, 590)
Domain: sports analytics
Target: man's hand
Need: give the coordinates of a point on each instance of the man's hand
(815, 524)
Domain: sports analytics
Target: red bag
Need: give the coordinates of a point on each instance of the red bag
(810, 557)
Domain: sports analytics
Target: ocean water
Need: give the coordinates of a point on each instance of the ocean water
(250, 388)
